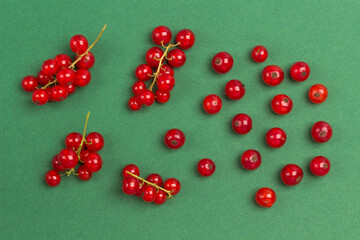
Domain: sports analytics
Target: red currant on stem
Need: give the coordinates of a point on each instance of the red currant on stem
(155, 178)
(160, 197)
(212, 104)
(94, 141)
(65, 76)
(63, 60)
(251, 159)
(265, 197)
(259, 54)
(320, 166)
(130, 185)
(300, 71)
(176, 57)
(148, 193)
(153, 56)
(234, 89)
(56, 164)
(93, 162)
(29, 83)
(146, 97)
(185, 38)
(275, 137)
(242, 123)
(318, 93)
(206, 167)
(59, 93)
(73, 140)
(40, 96)
(83, 77)
(162, 97)
(222, 62)
(138, 87)
(291, 174)
(70, 88)
(321, 132)
(143, 72)
(84, 173)
(132, 168)
(172, 185)
(281, 104)
(49, 67)
(161, 35)
(134, 104)
(174, 138)
(79, 44)
(165, 83)
(272, 75)
(43, 79)
(52, 178)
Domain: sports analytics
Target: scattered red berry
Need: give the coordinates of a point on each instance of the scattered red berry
(265, 197)
(160, 197)
(320, 166)
(186, 38)
(155, 178)
(162, 97)
(93, 162)
(212, 104)
(84, 173)
(134, 104)
(275, 137)
(52, 178)
(206, 167)
(82, 77)
(130, 185)
(172, 185)
(251, 159)
(235, 89)
(281, 104)
(259, 54)
(318, 93)
(73, 140)
(242, 123)
(78, 44)
(300, 71)
(29, 83)
(40, 96)
(143, 72)
(94, 141)
(272, 75)
(165, 83)
(132, 168)
(59, 93)
(49, 67)
(149, 193)
(146, 97)
(153, 56)
(161, 35)
(86, 61)
(222, 62)
(321, 132)
(176, 57)
(291, 174)
(68, 158)
(174, 138)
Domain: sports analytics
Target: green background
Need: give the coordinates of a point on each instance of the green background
(325, 34)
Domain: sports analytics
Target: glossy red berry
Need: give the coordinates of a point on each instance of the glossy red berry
(86, 61)
(206, 167)
(134, 104)
(155, 178)
(281, 104)
(162, 97)
(59, 93)
(68, 158)
(174, 138)
(166, 70)
(275, 137)
(172, 185)
(132, 168)
(300, 71)
(138, 87)
(143, 72)
(40, 96)
(63, 60)
(148, 193)
(71, 88)
(234, 89)
(251, 159)
(291, 174)
(161, 35)
(176, 57)
(139, 192)
(49, 67)
(165, 83)
(160, 197)
(318, 93)
(259, 54)
(83, 154)
(78, 44)
(153, 56)
(83, 77)
(146, 97)
(29, 83)
(93, 162)
(265, 197)
(94, 142)
(320, 166)
(186, 38)
(65, 76)
(52, 178)
(56, 164)
(130, 185)
(321, 132)
(222, 62)
(84, 173)
(242, 123)
(49, 91)
(73, 140)
(43, 79)
(212, 104)
(272, 75)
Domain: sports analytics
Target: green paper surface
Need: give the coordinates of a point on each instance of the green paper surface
(325, 34)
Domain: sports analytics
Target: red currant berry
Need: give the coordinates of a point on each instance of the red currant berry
(59, 93)
(235, 89)
(153, 55)
(68, 158)
(94, 142)
(146, 97)
(73, 140)
(206, 167)
(63, 60)
(162, 97)
(56, 164)
(161, 35)
(251, 159)
(281, 104)
(155, 178)
(320, 166)
(78, 44)
(43, 79)
(222, 62)
(291, 174)
(166, 70)
(49, 91)
(174, 138)
(212, 104)
(49, 67)
(52, 178)
(83, 77)
(65, 76)
(259, 54)
(130, 185)
(318, 93)
(40, 96)
(321, 132)
(86, 61)
(265, 197)
(29, 83)
(172, 185)
(300, 71)
(165, 83)
(143, 72)
(139, 192)
(138, 87)
(70, 88)
(93, 162)
(84, 173)
(134, 104)
(83, 154)
(176, 57)
(132, 168)
(272, 75)
(242, 123)
(149, 193)
(186, 38)
(275, 137)
(160, 197)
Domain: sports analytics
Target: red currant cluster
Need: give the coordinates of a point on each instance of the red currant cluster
(78, 149)
(164, 74)
(153, 189)
(59, 77)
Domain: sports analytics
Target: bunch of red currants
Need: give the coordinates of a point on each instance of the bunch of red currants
(59, 77)
(151, 189)
(155, 68)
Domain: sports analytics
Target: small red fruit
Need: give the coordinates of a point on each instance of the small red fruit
(265, 197)
(78, 44)
(63, 60)
(162, 97)
(291, 174)
(212, 104)
(52, 178)
(235, 89)
(172, 185)
(65, 76)
(143, 72)
(174, 138)
(84, 173)
(186, 38)
(321, 132)
(300, 71)
(94, 142)
(82, 77)
(259, 54)
(318, 93)
(165, 83)
(275, 137)
(176, 57)
(155, 178)
(272, 75)
(59, 93)
(130, 185)
(161, 35)
(281, 104)
(43, 79)
(132, 168)
(206, 167)
(146, 97)
(73, 140)
(86, 61)
(56, 164)
(93, 162)
(251, 159)
(68, 158)
(222, 62)
(40, 96)
(153, 55)
(149, 193)
(160, 197)
(138, 87)
(29, 83)
(242, 123)
(134, 104)
(320, 166)
(49, 67)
